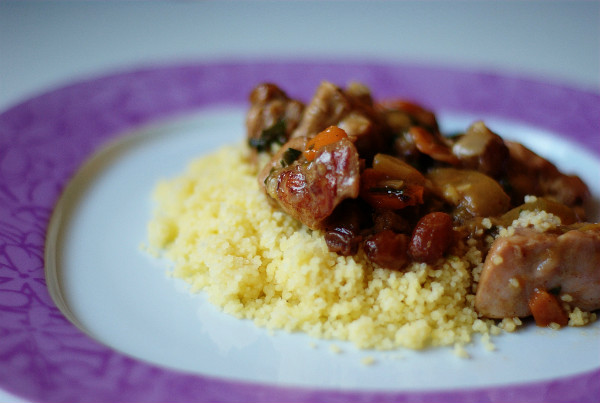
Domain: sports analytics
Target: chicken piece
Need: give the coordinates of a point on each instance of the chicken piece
(310, 191)
(567, 263)
(530, 174)
(272, 117)
(351, 110)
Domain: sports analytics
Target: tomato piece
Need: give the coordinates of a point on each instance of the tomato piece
(328, 136)
(546, 309)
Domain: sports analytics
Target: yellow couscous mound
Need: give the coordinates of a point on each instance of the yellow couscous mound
(256, 262)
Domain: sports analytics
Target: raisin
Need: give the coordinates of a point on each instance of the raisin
(431, 237)
(342, 241)
(388, 249)
(389, 219)
(342, 227)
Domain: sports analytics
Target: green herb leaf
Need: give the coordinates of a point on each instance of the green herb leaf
(275, 134)
(289, 156)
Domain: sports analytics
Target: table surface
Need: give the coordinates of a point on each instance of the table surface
(46, 45)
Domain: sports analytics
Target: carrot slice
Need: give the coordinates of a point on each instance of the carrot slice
(546, 308)
(328, 136)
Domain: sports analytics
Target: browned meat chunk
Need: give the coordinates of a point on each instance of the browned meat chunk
(402, 114)
(310, 191)
(481, 149)
(350, 110)
(516, 265)
(416, 132)
(272, 116)
(530, 174)
(433, 144)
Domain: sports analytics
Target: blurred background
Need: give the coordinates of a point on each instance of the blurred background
(46, 45)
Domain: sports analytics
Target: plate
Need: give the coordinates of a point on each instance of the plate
(93, 318)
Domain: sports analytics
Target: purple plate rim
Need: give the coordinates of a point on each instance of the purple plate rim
(44, 141)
